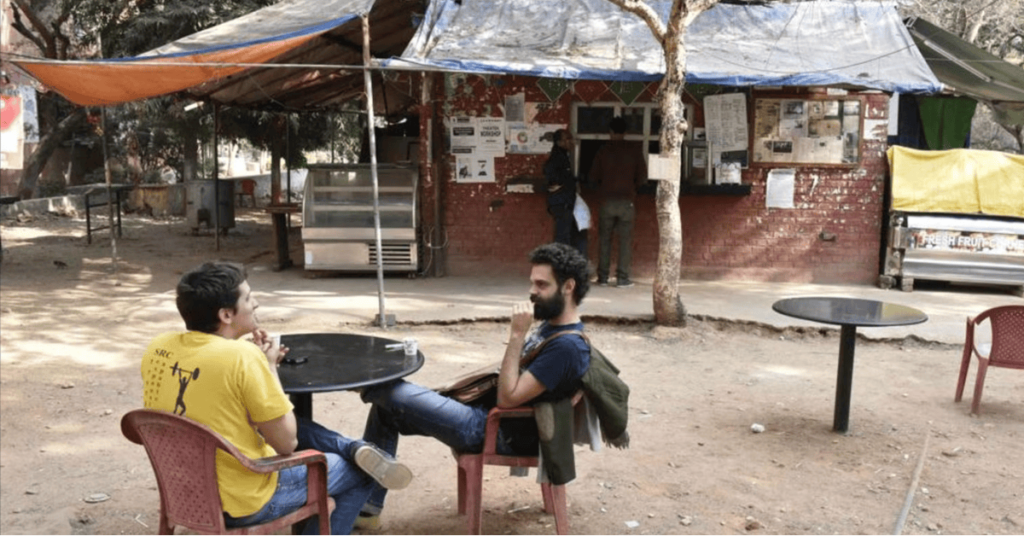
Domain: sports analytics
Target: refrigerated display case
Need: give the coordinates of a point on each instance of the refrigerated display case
(338, 231)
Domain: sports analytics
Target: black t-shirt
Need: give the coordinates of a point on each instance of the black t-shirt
(559, 366)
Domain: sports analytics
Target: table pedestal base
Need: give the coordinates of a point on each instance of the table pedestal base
(844, 379)
(303, 403)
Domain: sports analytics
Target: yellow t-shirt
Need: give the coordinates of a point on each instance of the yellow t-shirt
(226, 385)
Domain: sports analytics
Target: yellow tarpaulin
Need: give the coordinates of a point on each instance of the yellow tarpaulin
(963, 181)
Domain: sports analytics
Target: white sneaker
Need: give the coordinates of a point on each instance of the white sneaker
(382, 467)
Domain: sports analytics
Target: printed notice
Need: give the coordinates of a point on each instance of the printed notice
(463, 134)
(779, 190)
(474, 168)
(491, 135)
(531, 139)
(515, 106)
(725, 118)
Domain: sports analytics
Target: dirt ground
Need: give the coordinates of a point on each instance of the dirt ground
(72, 337)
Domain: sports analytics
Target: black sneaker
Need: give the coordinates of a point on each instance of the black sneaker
(602, 282)
(623, 283)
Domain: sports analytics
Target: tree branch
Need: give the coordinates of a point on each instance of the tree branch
(50, 49)
(64, 43)
(20, 27)
(646, 14)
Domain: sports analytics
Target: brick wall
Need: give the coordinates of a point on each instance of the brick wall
(831, 236)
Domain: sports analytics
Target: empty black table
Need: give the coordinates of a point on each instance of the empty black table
(848, 313)
(323, 362)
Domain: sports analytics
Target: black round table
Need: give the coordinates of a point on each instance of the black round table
(323, 362)
(849, 313)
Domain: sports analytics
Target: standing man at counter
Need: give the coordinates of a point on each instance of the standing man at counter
(619, 169)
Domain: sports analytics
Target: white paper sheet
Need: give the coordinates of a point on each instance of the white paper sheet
(779, 191)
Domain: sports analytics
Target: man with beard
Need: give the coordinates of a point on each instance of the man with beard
(558, 284)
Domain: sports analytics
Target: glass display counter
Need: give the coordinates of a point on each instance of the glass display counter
(338, 220)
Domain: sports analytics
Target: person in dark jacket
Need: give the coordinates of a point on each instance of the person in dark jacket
(562, 192)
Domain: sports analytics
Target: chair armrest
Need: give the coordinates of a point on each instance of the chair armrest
(496, 414)
(494, 419)
(273, 464)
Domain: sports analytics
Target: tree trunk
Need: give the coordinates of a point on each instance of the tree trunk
(668, 307)
(29, 185)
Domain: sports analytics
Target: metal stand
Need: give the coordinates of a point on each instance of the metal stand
(844, 380)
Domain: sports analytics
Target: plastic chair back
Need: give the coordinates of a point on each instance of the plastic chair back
(1007, 335)
(247, 188)
(1006, 349)
(183, 455)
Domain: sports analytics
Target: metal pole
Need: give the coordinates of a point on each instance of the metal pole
(844, 378)
(216, 178)
(110, 197)
(287, 160)
(373, 167)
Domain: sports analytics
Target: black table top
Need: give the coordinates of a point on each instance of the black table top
(849, 311)
(321, 362)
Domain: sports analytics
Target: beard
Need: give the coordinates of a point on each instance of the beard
(549, 308)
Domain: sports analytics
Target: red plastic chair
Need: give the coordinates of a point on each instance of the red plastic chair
(247, 188)
(471, 474)
(1006, 349)
(183, 453)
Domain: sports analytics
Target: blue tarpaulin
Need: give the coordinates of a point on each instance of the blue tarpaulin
(859, 44)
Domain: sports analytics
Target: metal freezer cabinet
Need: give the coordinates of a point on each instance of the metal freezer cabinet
(955, 247)
(338, 218)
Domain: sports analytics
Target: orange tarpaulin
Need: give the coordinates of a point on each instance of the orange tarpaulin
(99, 84)
(207, 55)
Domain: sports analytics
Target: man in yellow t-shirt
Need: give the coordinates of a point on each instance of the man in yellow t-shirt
(208, 374)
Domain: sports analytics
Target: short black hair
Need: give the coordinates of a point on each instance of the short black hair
(556, 137)
(617, 125)
(205, 290)
(566, 263)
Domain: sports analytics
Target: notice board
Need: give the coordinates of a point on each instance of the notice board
(807, 131)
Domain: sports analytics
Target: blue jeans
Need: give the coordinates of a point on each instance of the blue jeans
(409, 409)
(347, 484)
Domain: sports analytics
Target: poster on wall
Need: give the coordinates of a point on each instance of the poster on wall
(474, 168)
(514, 108)
(491, 136)
(462, 132)
(12, 134)
(30, 113)
(534, 138)
(725, 123)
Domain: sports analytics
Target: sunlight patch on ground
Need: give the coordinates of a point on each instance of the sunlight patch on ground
(35, 353)
(66, 427)
(80, 447)
(783, 370)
